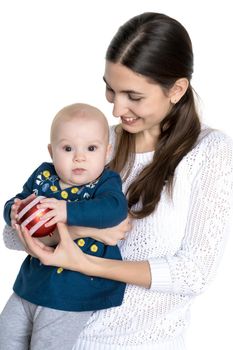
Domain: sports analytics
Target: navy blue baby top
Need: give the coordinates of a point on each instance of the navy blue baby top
(99, 204)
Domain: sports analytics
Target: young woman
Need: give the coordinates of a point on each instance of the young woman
(178, 176)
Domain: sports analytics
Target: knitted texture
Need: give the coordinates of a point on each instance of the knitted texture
(11, 239)
(183, 240)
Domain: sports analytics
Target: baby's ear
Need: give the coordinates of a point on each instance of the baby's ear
(50, 150)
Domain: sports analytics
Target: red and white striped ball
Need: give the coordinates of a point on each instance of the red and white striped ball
(30, 217)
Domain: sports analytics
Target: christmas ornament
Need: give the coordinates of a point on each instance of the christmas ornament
(32, 218)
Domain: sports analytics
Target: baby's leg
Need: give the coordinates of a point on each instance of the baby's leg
(55, 329)
(15, 325)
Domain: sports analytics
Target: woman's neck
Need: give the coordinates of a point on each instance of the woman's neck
(146, 142)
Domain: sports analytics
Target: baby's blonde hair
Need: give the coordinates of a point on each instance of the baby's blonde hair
(81, 111)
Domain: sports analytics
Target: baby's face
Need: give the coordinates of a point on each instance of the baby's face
(79, 151)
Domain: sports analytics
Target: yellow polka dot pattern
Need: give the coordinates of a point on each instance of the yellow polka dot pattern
(64, 194)
(74, 190)
(53, 188)
(94, 248)
(46, 173)
(59, 270)
(81, 242)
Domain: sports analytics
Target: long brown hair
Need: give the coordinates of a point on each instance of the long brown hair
(159, 48)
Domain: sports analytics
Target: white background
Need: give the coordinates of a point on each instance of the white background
(52, 54)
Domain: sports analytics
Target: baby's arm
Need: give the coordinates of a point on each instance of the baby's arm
(14, 205)
(103, 217)
(108, 208)
(11, 210)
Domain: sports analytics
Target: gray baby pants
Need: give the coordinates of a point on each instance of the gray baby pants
(25, 326)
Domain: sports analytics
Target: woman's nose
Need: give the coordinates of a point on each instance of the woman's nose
(119, 108)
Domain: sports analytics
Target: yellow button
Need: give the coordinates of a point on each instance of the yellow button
(94, 248)
(59, 270)
(74, 190)
(64, 194)
(81, 242)
(46, 173)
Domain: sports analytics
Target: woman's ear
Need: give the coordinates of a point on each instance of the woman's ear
(50, 150)
(108, 152)
(178, 90)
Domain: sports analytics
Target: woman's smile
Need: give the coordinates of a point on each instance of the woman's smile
(129, 120)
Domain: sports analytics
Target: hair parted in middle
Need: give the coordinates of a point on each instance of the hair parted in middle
(158, 47)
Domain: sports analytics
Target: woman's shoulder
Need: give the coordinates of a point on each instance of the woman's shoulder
(113, 130)
(212, 150)
(210, 138)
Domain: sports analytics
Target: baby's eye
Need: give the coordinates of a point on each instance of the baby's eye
(67, 148)
(92, 148)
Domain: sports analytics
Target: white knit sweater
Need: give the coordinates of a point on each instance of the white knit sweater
(183, 240)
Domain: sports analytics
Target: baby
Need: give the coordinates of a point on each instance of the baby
(80, 191)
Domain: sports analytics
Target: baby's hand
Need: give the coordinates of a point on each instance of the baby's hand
(14, 211)
(17, 206)
(58, 212)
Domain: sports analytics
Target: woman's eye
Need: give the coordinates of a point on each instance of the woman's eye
(131, 98)
(109, 89)
(92, 148)
(109, 94)
(67, 148)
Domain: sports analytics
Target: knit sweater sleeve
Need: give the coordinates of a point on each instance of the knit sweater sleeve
(193, 266)
(11, 239)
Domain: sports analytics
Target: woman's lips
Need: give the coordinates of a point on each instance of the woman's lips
(129, 120)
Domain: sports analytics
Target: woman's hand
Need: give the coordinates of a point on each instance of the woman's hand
(66, 254)
(69, 256)
(22, 233)
(109, 236)
(112, 235)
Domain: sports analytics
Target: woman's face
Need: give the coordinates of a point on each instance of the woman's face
(140, 104)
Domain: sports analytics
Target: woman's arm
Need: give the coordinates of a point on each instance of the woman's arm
(11, 239)
(194, 265)
(131, 272)
(109, 236)
(69, 256)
